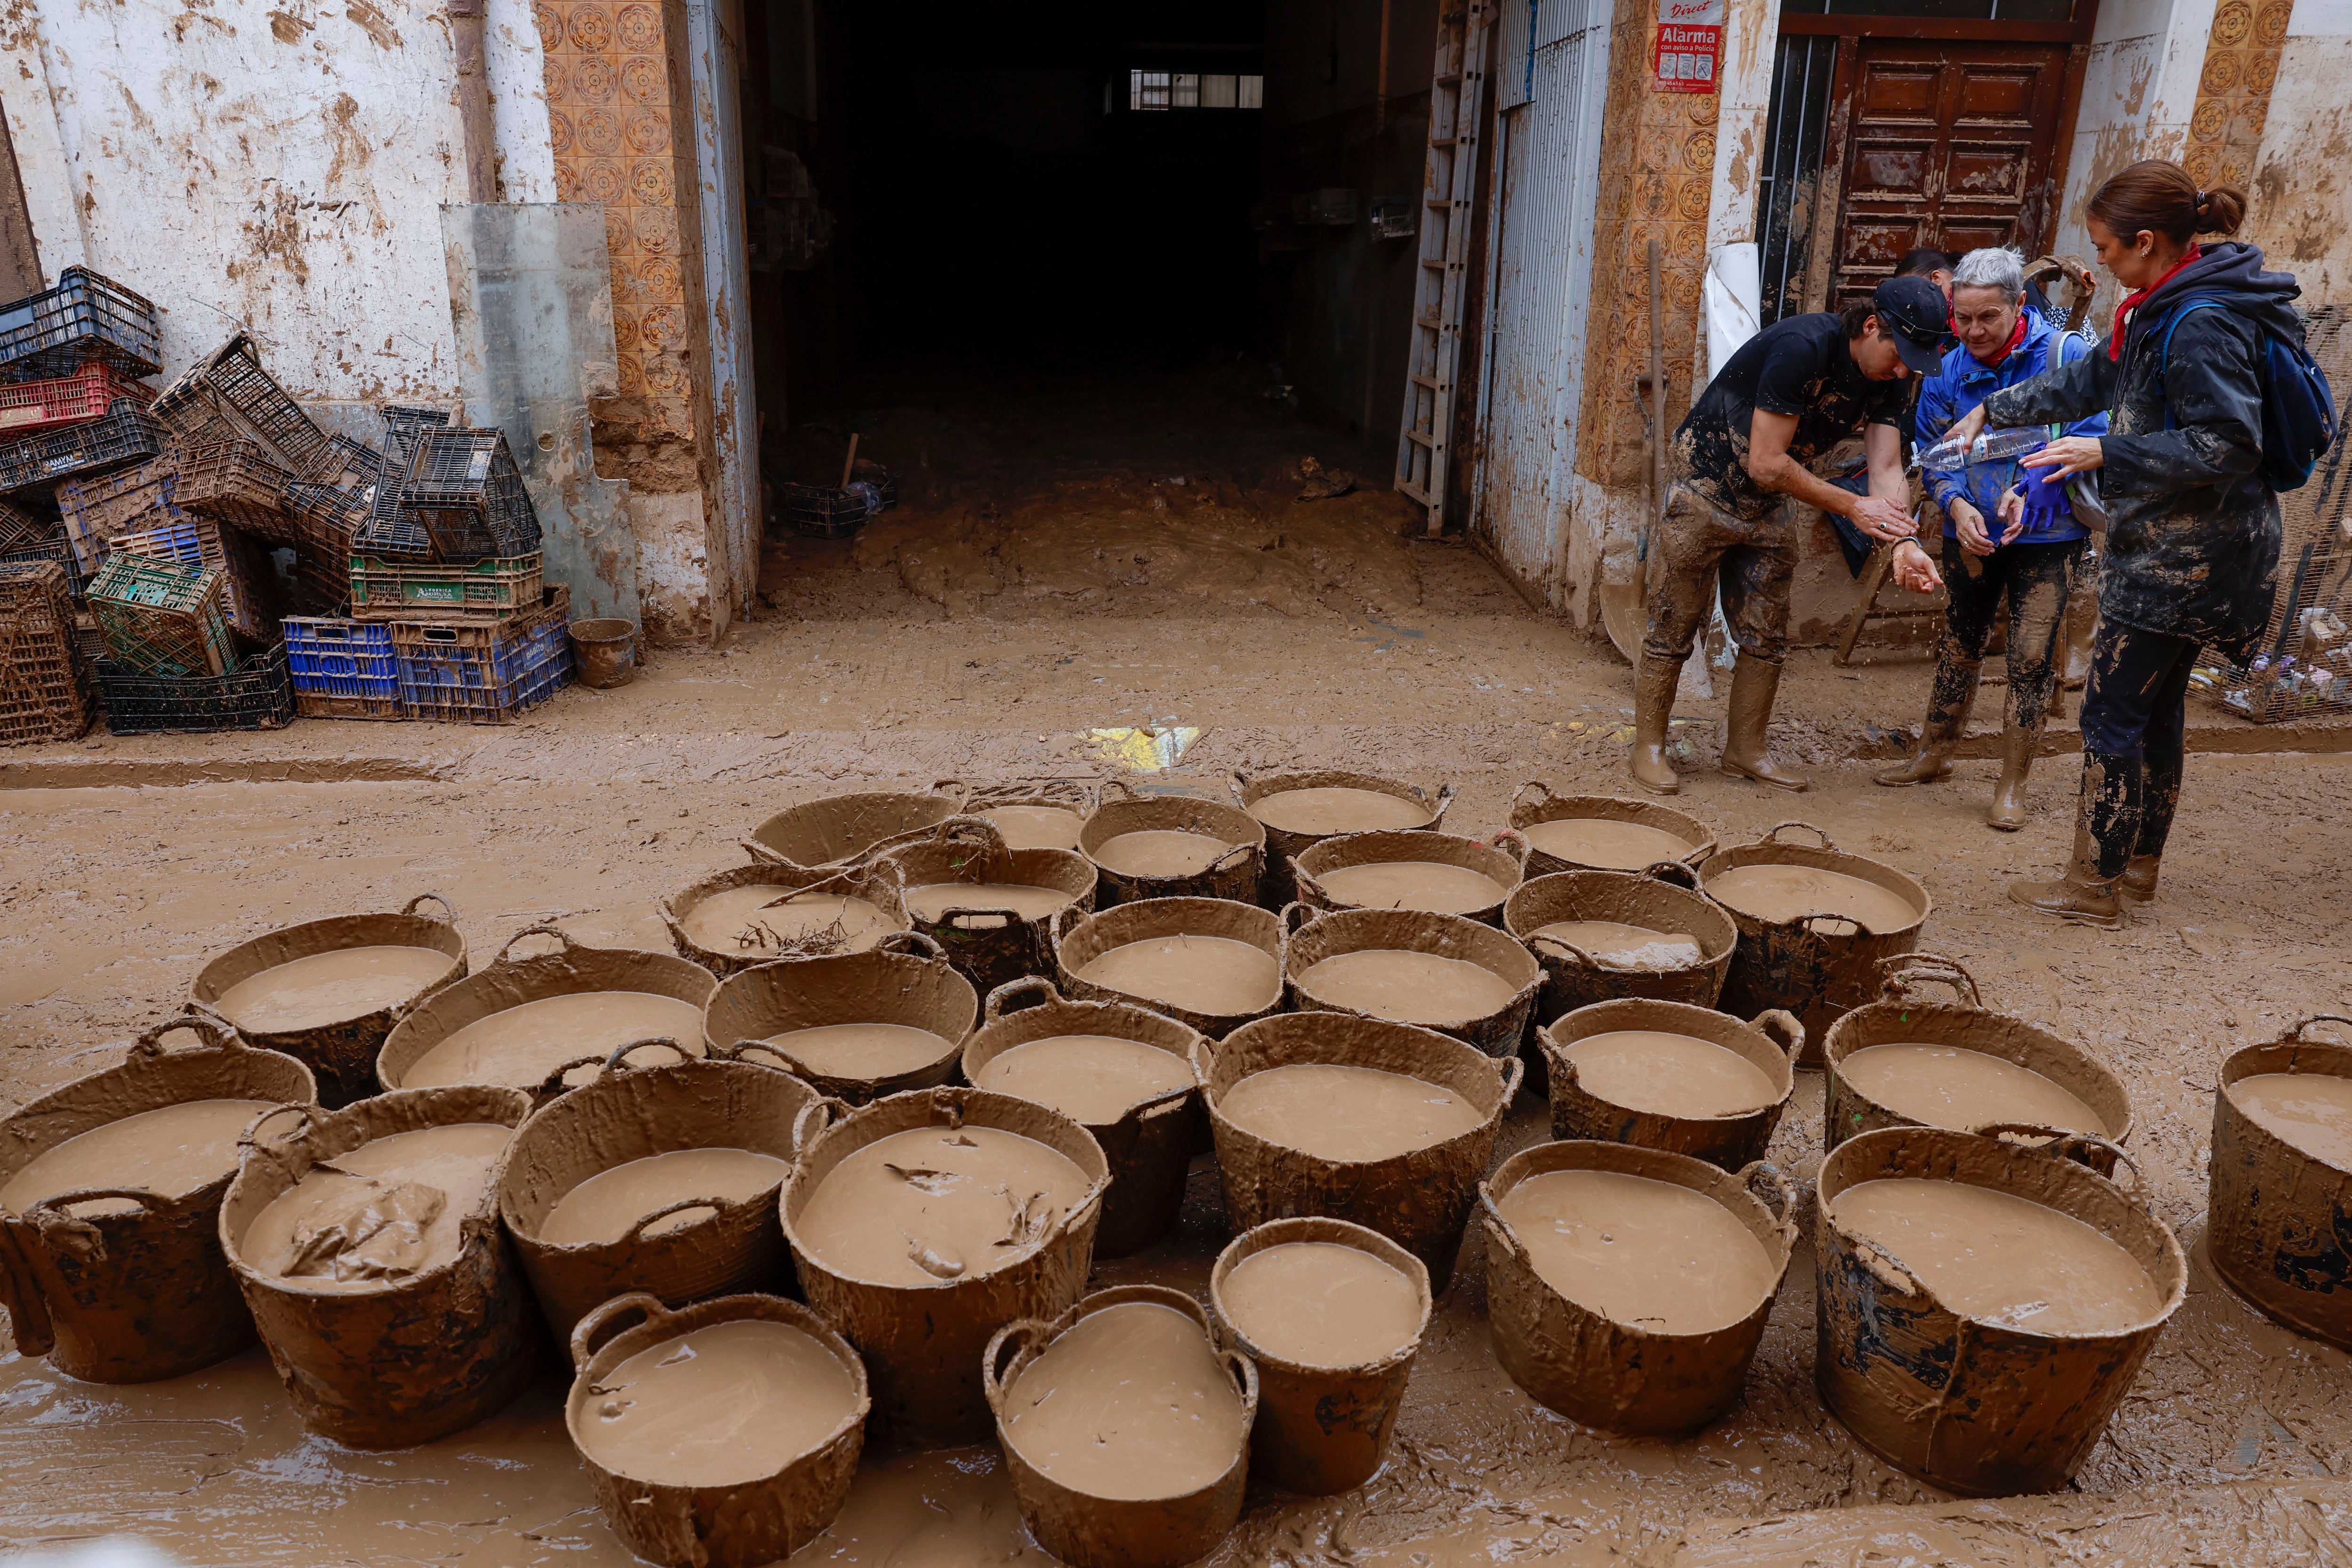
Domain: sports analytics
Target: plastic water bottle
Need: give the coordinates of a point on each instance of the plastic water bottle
(1993, 445)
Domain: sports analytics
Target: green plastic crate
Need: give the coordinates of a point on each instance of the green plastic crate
(495, 589)
(160, 617)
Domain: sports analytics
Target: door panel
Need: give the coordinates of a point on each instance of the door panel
(1946, 144)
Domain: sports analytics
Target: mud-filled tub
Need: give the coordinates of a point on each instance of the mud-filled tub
(923, 1222)
(1437, 972)
(1604, 832)
(660, 1179)
(327, 992)
(840, 828)
(1436, 872)
(1043, 814)
(110, 1191)
(1628, 1288)
(1301, 810)
(856, 1024)
(548, 1022)
(2282, 1182)
(1384, 1125)
(1211, 964)
(1603, 935)
(1983, 1307)
(1123, 1073)
(752, 914)
(990, 907)
(1174, 846)
(1666, 1074)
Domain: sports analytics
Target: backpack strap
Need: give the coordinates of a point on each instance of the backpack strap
(2172, 325)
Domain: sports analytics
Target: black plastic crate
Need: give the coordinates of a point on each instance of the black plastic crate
(57, 549)
(86, 317)
(403, 423)
(227, 396)
(257, 695)
(464, 489)
(390, 530)
(836, 511)
(127, 434)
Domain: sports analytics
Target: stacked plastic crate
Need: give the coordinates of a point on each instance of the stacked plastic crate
(447, 563)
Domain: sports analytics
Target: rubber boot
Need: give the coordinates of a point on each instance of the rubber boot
(2138, 882)
(2007, 812)
(1953, 693)
(1655, 685)
(2082, 894)
(1747, 750)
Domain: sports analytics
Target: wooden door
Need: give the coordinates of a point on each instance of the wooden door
(1946, 143)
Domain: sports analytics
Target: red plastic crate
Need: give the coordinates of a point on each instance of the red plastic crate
(30, 406)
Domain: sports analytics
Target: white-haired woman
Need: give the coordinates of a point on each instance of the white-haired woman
(2027, 559)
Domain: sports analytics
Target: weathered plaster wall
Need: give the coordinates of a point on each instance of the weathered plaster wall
(2301, 183)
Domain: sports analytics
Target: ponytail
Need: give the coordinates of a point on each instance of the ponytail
(2159, 196)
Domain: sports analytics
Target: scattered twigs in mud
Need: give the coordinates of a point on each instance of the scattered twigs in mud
(815, 943)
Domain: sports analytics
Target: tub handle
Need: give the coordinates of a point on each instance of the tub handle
(1513, 1070)
(1243, 1372)
(1888, 1267)
(1308, 884)
(1296, 915)
(598, 1324)
(449, 915)
(950, 830)
(1239, 783)
(2061, 1143)
(636, 1232)
(1779, 1021)
(999, 1000)
(216, 1032)
(1500, 1229)
(1812, 925)
(1058, 928)
(911, 945)
(251, 1137)
(1776, 1193)
(1772, 835)
(1015, 1336)
(20, 1294)
(1574, 953)
(1538, 803)
(1511, 842)
(558, 932)
(552, 1084)
(953, 919)
(1673, 873)
(1445, 804)
(1906, 970)
(824, 1108)
(72, 1235)
(617, 1062)
(2296, 1035)
(956, 787)
(1220, 863)
(736, 1053)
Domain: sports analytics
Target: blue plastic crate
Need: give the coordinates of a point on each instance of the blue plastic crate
(335, 657)
(478, 673)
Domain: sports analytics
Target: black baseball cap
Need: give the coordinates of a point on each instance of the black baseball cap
(1913, 311)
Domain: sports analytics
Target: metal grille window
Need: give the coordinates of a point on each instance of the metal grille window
(1184, 90)
(1792, 170)
(1190, 90)
(1147, 90)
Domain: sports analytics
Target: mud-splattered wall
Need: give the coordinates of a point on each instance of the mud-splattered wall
(278, 165)
(2302, 176)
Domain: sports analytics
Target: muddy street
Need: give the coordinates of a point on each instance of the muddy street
(1023, 615)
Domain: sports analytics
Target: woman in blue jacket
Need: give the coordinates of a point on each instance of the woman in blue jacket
(2027, 559)
(2192, 544)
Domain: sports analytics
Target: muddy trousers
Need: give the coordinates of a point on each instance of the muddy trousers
(2135, 730)
(1699, 548)
(2034, 580)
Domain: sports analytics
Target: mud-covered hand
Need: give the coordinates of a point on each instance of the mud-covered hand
(2067, 456)
(1968, 523)
(1882, 519)
(1969, 427)
(1915, 569)
(2013, 512)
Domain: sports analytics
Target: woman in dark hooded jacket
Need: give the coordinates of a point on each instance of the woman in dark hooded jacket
(2192, 527)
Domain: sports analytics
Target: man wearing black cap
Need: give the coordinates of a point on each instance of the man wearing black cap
(1793, 392)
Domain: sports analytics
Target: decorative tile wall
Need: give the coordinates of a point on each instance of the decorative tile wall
(2234, 94)
(615, 96)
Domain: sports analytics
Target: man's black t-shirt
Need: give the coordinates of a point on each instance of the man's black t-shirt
(1799, 365)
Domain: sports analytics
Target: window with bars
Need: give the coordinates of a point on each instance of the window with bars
(1194, 90)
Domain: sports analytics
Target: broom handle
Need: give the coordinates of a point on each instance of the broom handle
(850, 462)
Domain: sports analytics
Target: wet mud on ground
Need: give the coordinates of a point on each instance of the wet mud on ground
(128, 862)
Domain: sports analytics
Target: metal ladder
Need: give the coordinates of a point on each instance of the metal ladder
(1449, 178)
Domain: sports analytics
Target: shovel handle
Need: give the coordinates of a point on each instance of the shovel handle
(589, 1334)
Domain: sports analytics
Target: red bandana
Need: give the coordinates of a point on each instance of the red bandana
(2016, 336)
(2133, 302)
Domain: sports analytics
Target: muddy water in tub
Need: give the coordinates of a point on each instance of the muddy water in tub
(1407, 987)
(331, 987)
(1091, 1078)
(1212, 974)
(1321, 1304)
(170, 1151)
(1608, 845)
(2002, 1259)
(1644, 1252)
(933, 901)
(1778, 894)
(1669, 1074)
(2311, 1110)
(604, 1207)
(1338, 811)
(1130, 1403)
(933, 1204)
(1624, 946)
(1944, 1086)
(1413, 885)
(862, 1050)
(1036, 827)
(1161, 852)
(763, 918)
(1347, 1113)
(519, 1047)
(375, 1217)
(719, 1405)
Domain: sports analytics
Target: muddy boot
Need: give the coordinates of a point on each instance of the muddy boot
(1746, 751)
(2080, 895)
(2017, 747)
(1654, 684)
(2107, 819)
(1948, 701)
(2138, 882)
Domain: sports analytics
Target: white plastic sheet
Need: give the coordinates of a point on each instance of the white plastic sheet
(1734, 293)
